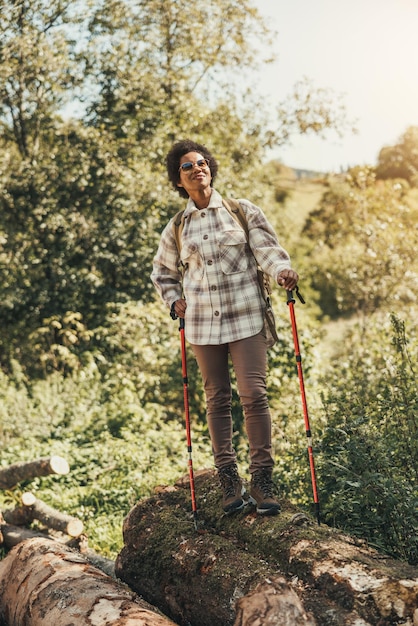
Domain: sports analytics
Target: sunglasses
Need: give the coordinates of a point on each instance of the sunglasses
(188, 166)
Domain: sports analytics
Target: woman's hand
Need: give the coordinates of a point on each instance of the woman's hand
(288, 279)
(180, 307)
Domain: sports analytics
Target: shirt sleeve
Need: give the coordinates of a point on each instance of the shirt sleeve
(262, 238)
(166, 275)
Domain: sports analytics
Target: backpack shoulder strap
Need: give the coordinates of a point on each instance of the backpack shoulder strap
(178, 225)
(237, 212)
(231, 205)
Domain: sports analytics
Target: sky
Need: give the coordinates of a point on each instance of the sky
(366, 51)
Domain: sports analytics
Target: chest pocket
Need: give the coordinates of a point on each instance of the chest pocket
(232, 251)
(192, 260)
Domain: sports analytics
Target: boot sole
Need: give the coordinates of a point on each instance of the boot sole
(234, 509)
(273, 510)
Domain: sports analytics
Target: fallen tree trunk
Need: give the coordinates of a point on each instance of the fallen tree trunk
(19, 516)
(52, 518)
(33, 508)
(25, 470)
(316, 575)
(13, 535)
(43, 583)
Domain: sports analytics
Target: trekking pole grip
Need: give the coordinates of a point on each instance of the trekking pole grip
(290, 297)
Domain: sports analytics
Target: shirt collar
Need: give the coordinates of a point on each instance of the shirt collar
(214, 203)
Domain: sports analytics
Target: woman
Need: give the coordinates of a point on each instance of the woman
(219, 296)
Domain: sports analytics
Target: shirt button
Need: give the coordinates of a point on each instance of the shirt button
(213, 288)
(202, 214)
(205, 237)
(216, 313)
(210, 262)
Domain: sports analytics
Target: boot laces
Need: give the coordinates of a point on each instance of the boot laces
(262, 480)
(228, 477)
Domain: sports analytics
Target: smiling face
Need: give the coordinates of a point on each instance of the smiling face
(197, 178)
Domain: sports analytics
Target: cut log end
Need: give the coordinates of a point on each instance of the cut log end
(52, 518)
(28, 499)
(59, 465)
(75, 528)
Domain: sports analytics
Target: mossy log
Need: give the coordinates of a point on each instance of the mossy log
(43, 583)
(227, 572)
(25, 470)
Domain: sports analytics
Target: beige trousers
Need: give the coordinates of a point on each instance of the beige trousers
(249, 360)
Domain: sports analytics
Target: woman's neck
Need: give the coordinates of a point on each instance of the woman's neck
(202, 198)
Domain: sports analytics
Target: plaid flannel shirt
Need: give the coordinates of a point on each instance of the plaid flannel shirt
(219, 281)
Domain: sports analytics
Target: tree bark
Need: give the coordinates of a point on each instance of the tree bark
(43, 583)
(37, 509)
(270, 600)
(247, 569)
(13, 535)
(14, 474)
(19, 516)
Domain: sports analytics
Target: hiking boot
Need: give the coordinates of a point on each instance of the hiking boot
(232, 488)
(262, 492)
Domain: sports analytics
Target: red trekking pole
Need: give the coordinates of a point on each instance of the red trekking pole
(291, 303)
(187, 419)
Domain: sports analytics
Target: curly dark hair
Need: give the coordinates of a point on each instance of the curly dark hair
(178, 150)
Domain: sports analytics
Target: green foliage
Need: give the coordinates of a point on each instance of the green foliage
(75, 235)
(178, 47)
(368, 460)
(364, 239)
(400, 160)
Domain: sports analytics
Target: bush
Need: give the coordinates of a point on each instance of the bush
(369, 446)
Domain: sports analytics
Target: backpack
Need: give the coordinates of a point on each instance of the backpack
(237, 212)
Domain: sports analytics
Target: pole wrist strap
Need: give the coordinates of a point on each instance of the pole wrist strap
(173, 313)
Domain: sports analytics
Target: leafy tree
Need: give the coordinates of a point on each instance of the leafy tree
(37, 68)
(364, 239)
(400, 160)
(77, 231)
(311, 110)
